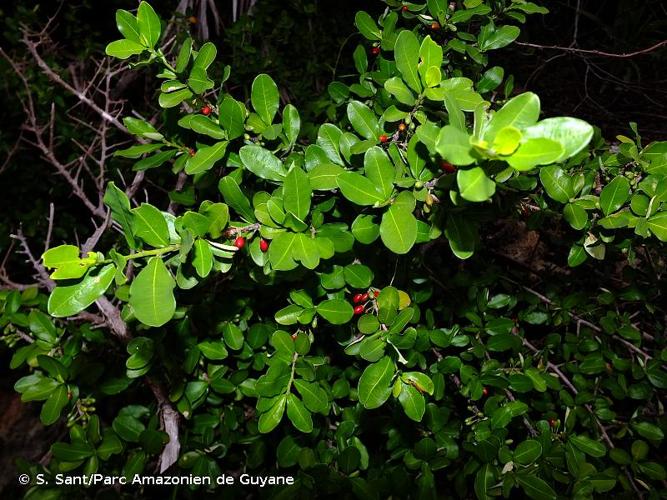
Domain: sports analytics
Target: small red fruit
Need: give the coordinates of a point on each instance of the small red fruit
(239, 242)
(405, 8)
(485, 391)
(383, 138)
(375, 51)
(376, 293)
(402, 127)
(264, 245)
(357, 298)
(191, 151)
(364, 297)
(447, 167)
(552, 422)
(435, 26)
(206, 110)
(358, 309)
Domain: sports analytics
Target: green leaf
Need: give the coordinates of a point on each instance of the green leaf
(420, 381)
(203, 259)
(73, 452)
(155, 160)
(206, 55)
(142, 128)
(119, 203)
(365, 230)
(173, 99)
(453, 145)
(413, 402)
(66, 262)
(265, 98)
(484, 480)
(184, 56)
(359, 189)
(536, 488)
(575, 215)
(306, 250)
(379, 170)
(151, 294)
(461, 235)
(658, 225)
(280, 252)
(398, 229)
(232, 117)
(54, 405)
(396, 87)
(406, 53)
(656, 156)
(649, 431)
(213, 349)
(328, 138)
(358, 275)
(122, 49)
(149, 25)
(558, 185)
(527, 452)
(298, 414)
(506, 141)
(291, 123)
(199, 81)
(571, 133)
(500, 38)
(475, 185)
(297, 193)
(490, 79)
(127, 25)
(324, 177)
(614, 195)
(72, 299)
(589, 446)
(335, 311)
(367, 26)
(314, 397)
(363, 120)
(520, 112)
(150, 225)
(262, 163)
(374, 388)
(430, 55)
(235, 198)
(205, 126)
(270, 419)
(205, 158)
(534, 152)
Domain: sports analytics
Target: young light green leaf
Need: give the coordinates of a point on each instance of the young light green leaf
(396, 87)
(453, 145)
(534, 152)
(122, 49)
(500, 38)
(127, 25)
(149, 24)
(520, 112)
(571, 133)
(374, 388)
(173, 99)
(475, 185)
(151, 294)
(365, 230)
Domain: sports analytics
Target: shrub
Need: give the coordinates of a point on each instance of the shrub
(337, 306)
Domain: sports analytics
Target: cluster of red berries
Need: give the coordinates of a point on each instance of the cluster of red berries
(240, 241)
(360, 300)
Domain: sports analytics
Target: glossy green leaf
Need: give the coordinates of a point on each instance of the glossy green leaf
(206, 55)
(589, 446)
(367, 26)
(614, 195)
(203, 259)
(324, 177)
(298, 414)
(500, 38)
(150, 225)
(235, 198)
(374, 388)
(658, 225)
(475, 185)
(205, 158)
(262, 163)
(265, 98)
(413, 402)
(232, 117)
(270, 419)
(575, 215)
(149, 24)
(527, 452)
(127, 25)
(199, 81)
(297, 193)
(54, 405)
(398, 229)
(359, 189)
(365, 230)
(291, 123)
(519, 112)
(280, 252)
(71, 299)
(335, 311)
(571, 133)
(557, 183)
(379, 170)
(173, 99)
(151, 294)
(122, 49)
(453, 145)
(536, 488)
(406, 53)
(534, 152)
(363, 120)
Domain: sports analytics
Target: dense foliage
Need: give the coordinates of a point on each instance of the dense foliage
(332, 300)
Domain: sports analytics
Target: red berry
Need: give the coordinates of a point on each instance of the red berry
(376, 293)
(364, 297)
(405, 8)
(383, 138)
(358, 309)
(485, 391)
(206, 110)
(264, 245)
(447, 167)
(435, 26)
(375, 51)
(401, 127)
(552, 422)
(239, 242)
(192, 152)
(357, 298)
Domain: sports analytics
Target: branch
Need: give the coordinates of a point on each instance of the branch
(598, 53)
